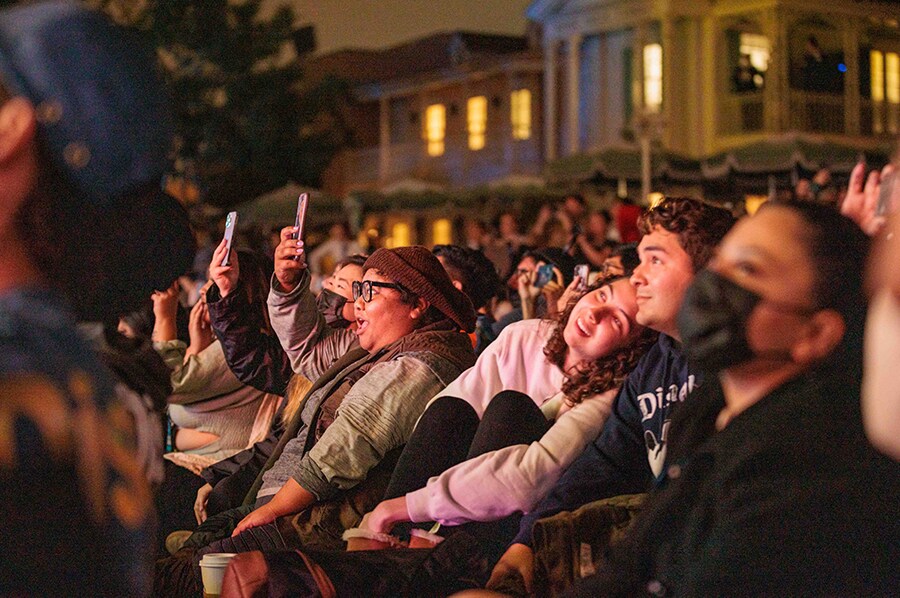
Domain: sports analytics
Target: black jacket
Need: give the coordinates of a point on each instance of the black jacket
(253, 354)
(788, 499)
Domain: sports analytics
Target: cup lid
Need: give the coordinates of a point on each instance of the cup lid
(214, 559)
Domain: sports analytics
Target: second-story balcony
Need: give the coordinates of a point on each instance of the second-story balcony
(457, 166)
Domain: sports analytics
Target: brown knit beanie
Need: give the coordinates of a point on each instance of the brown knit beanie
(419, 271)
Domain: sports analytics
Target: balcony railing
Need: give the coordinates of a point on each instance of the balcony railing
(741, 113)
(457, 166)
(816, 112)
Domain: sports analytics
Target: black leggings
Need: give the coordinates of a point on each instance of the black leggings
(450, 433)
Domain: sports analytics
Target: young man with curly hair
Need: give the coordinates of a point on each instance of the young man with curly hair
(680, 236)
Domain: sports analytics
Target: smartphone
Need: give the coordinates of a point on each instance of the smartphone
(885, 194)
(230, 225)
(300, 220)
(544, 275)
(583, 271)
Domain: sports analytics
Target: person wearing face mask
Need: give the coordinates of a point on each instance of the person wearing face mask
(335, 300)
(771, 487)
(255, 355)
(334, 458)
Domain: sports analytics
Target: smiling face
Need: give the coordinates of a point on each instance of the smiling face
(385, 319)
(664, 274)
(602, 321)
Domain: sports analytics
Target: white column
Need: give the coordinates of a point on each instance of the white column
(573, 99)
(668, 77)
(550, 101)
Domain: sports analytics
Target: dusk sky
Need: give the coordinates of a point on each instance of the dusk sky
(383, 23)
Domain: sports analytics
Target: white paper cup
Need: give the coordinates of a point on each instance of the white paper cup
(212, 567)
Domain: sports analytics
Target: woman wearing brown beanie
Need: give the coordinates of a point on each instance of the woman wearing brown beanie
(370, 387)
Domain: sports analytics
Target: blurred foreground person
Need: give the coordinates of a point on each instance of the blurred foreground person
(85, 234)
(771, 487)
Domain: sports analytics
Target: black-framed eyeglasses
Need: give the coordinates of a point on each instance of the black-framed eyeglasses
(363, 288)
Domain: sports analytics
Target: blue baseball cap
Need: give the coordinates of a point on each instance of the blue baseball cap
(104, 122)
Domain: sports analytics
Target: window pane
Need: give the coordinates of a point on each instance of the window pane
(442, 232)
(653, 77)
(757, 48)
(520, 113)
(876, 60)
(892, 77)
(435, 125)
(476, 121)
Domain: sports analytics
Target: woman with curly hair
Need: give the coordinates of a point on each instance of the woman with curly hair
(497, 438)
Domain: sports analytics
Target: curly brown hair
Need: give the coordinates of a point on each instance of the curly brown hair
(603, 374)
(699, 226)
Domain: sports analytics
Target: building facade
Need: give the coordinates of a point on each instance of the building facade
(703, 77)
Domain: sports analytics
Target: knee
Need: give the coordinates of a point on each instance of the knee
(509, 403)
(449, 411)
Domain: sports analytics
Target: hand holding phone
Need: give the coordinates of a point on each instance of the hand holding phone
(544, 275)
(230, 225)
(300, 218)
(582, 271)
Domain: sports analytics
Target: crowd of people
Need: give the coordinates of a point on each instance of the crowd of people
(407, 422)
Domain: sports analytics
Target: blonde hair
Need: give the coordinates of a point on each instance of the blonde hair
(296, 390)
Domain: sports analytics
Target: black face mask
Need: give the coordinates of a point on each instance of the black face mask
(712, 322)
(331, 306)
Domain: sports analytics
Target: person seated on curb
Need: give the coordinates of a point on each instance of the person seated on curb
(771, 487)
(526, 410)
(85, 134)
(254, 354)
(680, 236)
(370, 387)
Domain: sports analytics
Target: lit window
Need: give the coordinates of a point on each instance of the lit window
(876, 61)
(885, 88)
(653, 91)
(476, 121)
(757, 48)
(520, 113)
(435, 126)
(399, 236)
(442, 232)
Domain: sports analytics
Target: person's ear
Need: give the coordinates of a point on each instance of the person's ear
(420, 308)
(17, 128)
(824, 333)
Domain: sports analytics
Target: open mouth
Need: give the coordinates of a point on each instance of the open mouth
(582, 330)
(361, 325)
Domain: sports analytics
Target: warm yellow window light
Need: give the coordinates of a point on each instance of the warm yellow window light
(476, 121)
(435, 126)
(876, 64)
(442, 232)
(757, 48)
(520, 113)
(653, 84)
(753, 202)
(892, 77)
(400, 235)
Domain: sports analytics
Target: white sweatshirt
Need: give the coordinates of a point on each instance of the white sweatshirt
(512, 479)
(515, 478)
(514, 361)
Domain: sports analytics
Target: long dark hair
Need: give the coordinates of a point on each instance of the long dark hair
(605, 373)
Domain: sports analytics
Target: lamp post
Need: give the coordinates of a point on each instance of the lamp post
(649, 126)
